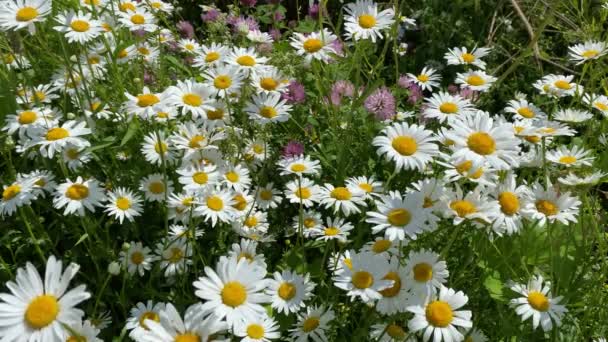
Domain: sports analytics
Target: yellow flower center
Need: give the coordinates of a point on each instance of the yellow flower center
(251, 221)
(366, 187)
(176, 255)
(246, 60)
(127, 6)
(200, 177)
(8, 59)
(567, 159)
(546, 207)
(192, 100)
(475, 80)
(241, 202)
(309, 222)
(428, 202)
(77, 192)
(534, 139)
(195, 141)
(80, 25)
(255, 331)
(11, 192)
(297, 167)
(395, 288)
(146, 100)
(287, 291)
(463, 207)
(26, 14)
(395, 331)
(189, 47)
(138, 19)
(538, 301)
(399, 217)
(137, 258)
(312, 45)
(73, 153)
(258, 149)
(76, 339)
(268, 112)
(187, 201)
(468, 57)
(27, 117)
(423, 272)
(481, 143)
(310, 324)
(526, 112)
(217, 114)
(143, 50)
(562, 84)
(38, 96)
(601, 106)
(246, 256)
(122, 54)
(161, 148)
(233, 294)
(406, 146)
(509, 203)
(215, 203)
(590, 53)
(422, 78)
(268, 83)
(41, 311)
(57, 133)
(232, 176)
(212, 57)
(331, 231)
(367, 21)
(222, 82)
(188, 337)
(448, 108)
(153, 316)
(362, 279)
(266, 195)
(303, 193)
(380, 246)
(439, 314)
(156, 187)
(123, 203)
(341, 193)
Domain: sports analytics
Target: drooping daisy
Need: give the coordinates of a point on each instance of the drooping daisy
(78, 195)
(157, 149)
(411, 147)
(526, 110)
(138, 316)
(55, 138)
(552, 205)
(82, 331)
(364, 21)
(259, 37)
(475, 80)
(393, 332)
(571, 115)
(268, 197)
(35, 310)
(475, 335)
(234, 290)
(574, 180)
(457, 56)
(15, 15)
(511, 200)
(343, 199)
(299, 165)
(316, 45)
(587, 51)
(154, 187)
(574, 156)
(210, 55)
(443, 106)
(216, 206)
(427, 79)
(598, 102)
(138, 19)
(247, 60)
(439, 316)
(381, 246)
(181, 206)
(289, 291)
(19, 193)
(266, 108)
(224, 79)
(310, 221)
(397, 297)
(538, 303)
(43, 182)
(170, 327)
(246, 249)
(366, 278)
(123, 203)
(78, 27)
(75, 157)
(137, 258)
(192, 97)
(312, 324)
(400, 217)
(174, 256)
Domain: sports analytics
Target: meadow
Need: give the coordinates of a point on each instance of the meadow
(290, 170)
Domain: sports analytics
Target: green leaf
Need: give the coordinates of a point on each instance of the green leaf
(82, 238)
(133, 127)
(494, 286)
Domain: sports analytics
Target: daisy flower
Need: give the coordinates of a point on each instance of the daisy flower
(411, 147)
(123, 203)
(425, 271)
(216, 206)
(257, 329)
(427, 79)
(538, 303)
(474, 206)
(55, 138)
(366, 278)
(315, 45)
(364, 21)
(443, 106)
(511, 200)
(236, 178)
(224, 80)
(551, 205)
(312, 324)
(174, 256)
(246, 60)
(247, 250)
(234, 290)
(458, 56)
(311, 222)
(336, 229)
(75, 157)
(138, 19)
(139, 314)
(198, 178)
(523, 109)
(289, 291)
(598, 102)
(192, 97)
(19, 193)
(587, 51)
(39, 94)
(137, 258)
(158, 5)
(189, 46)
(342, 199)
(270, 80)
(475, 80)
(571, 115)
(369, 185)
(78, 27)
(381, 246)
(400, 217)
(82, 331)
(392, 332)
(457, 169)
(397, 297)
(439, 316)
(154, 187)
(299, 165)
(259, 37)
(210, 55)
(143, 104)
(37, 310)
(570, 157)
(170, 326)
(268, 197)
(574, 180)
(78, 196)
(43, 182)
(558, 85)
(265, 108)
(157, 149)
(19, 14)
